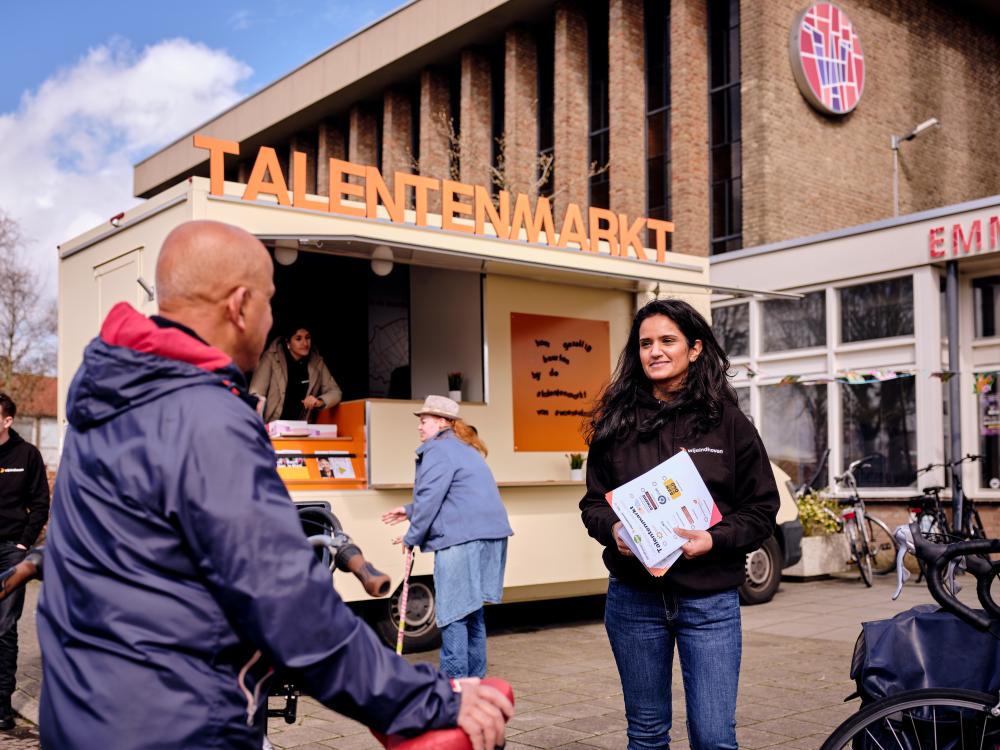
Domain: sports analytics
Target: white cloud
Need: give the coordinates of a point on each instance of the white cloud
(241, 20)
(66, 153)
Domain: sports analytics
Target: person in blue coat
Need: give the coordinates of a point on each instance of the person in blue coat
(177, 576)
(457, 513)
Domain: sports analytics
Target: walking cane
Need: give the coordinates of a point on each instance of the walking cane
(407, 564)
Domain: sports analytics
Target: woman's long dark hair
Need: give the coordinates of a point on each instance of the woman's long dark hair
(704, 392)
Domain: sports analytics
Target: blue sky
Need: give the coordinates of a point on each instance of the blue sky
(89, 88)
(271, 37)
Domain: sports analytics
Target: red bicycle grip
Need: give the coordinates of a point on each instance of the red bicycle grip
(442, 739)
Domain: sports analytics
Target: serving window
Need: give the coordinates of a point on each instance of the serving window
(394, 336)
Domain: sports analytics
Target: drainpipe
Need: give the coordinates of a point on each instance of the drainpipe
(954, 391)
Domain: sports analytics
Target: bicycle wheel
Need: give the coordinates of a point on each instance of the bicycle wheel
(881, 546)
(859, 550)
(922, 719)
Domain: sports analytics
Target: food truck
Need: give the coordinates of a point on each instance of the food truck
(531, 312)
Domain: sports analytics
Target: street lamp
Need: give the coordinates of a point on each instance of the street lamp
(894, 142)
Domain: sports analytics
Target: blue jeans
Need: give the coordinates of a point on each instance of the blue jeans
(463, 646)
(643, 627)
(10, 613)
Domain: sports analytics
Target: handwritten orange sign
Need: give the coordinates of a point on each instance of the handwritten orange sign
(472, 205)
(559, 367)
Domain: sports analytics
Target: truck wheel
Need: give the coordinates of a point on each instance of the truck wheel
(763, 573)
(421, 632)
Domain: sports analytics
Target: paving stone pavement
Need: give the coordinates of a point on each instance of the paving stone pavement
(796, 657)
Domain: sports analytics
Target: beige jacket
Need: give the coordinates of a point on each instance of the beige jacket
(271, 378)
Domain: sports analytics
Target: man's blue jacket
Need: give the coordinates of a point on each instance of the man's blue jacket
(177, 575)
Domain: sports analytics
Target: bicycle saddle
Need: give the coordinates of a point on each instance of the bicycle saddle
(933, 490)
(441, 739)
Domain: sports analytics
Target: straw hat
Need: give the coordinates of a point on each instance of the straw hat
(439, 406)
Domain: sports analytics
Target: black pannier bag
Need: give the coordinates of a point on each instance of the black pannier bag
(924, 647)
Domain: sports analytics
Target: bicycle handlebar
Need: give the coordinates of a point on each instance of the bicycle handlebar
(442, 739)
(937, 556)
(349, 558)
(949, 464)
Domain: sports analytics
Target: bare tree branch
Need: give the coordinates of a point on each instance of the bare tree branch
(28, 317)
(500, 177)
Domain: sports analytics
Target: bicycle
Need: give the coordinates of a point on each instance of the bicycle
(936, 717)
(872, 546)
(928, 511)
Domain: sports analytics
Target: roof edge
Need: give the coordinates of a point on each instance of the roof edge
(873, 226)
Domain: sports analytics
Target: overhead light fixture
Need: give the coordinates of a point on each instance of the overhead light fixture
(382, 260)
(286, 252)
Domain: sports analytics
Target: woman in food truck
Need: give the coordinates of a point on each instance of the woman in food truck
(292, 377)
(670, 392)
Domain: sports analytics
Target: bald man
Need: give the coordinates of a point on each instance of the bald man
(177, 577)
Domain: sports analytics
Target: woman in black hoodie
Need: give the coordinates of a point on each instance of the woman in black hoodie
(670, 392)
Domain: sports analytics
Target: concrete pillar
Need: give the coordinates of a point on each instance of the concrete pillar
(476, 118)
(330, 145)
(689, 189)
(627, 107)
(521, 110)
(397, 133)
(362, 137)
(572, 144)
(435, 112)
(307, 145)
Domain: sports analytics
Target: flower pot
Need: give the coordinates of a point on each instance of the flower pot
(576, 475)
(821, 556)
(455, 395)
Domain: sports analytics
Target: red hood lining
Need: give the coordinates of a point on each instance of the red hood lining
(125, 326)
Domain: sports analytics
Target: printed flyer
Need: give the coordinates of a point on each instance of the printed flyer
(653, 504)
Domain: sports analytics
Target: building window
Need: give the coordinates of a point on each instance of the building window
(880, 420)
(724, 126)
(743, 399)
(497, 63)
(731, 326)
(546, 109)
(657, 18)
(455, 105)
(794, 427)
(600, 151)
(794, 323)
(986, 292)
(877, 311)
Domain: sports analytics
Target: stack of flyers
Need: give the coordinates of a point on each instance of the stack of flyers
(671, 495)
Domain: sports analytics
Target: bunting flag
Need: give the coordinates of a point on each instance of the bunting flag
(983, 381)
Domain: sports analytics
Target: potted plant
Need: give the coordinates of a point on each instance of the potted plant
(824, 548)
(455, 386)
(575, 466)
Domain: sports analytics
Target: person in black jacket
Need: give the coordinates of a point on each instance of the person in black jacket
(24, 509)
(670, 392)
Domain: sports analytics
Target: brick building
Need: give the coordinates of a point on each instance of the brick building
(689, 110)
(678, 109)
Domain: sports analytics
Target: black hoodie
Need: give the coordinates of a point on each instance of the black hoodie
(24, 491)
(730, 458)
